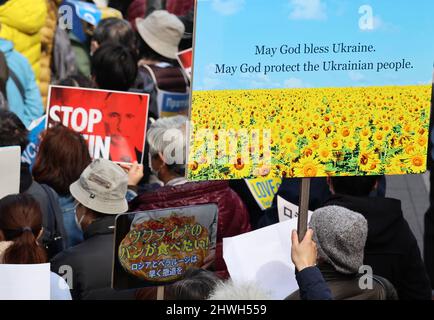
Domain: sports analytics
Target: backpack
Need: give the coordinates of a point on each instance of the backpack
(3, 102)
(54, 237)
(171, 90)
(4, 76)
(12, 75)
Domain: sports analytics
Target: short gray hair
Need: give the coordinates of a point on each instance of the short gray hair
(167, 136)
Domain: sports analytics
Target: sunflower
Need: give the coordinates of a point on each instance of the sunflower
(336, 144)
(309, 167)
(240, 169)
(345, 132)
(367, 160)
(417, 163)
(365, 133)
(350, 143)
(422, 140)
(325, 154)
(396, 165)
(288, 138)
(379, 137)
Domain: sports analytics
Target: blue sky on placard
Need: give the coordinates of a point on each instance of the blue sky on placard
(228, 31)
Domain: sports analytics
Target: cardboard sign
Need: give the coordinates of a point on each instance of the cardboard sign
(35, 129)
(288, 210)
(113, 123)
(185, 59)
(317, 88)
(10, 165)
(264, 190)
(155, 248)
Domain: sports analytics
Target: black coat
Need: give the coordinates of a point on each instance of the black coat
(312, 285)
(91, 263)
(391, 248)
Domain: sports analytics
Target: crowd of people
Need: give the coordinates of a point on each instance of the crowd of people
(67, 203)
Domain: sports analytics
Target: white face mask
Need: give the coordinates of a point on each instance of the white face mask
(154, 172)
(78, 223)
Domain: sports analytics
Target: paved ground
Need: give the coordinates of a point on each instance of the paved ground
(413, 191)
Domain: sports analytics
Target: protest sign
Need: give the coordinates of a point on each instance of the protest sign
(155, 248)
(82, 17)
(113, 123)
(185, 59)
(172, 103)
(263, 256)
(74, 14)
(35, 129)
(10, 166)
(264, 190)
(319, 88)
(288, 210)
(25, 281)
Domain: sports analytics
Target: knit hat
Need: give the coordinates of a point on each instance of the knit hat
(162, 31)
(102, 187)
(340, 235)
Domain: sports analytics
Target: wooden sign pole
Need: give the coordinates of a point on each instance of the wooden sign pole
(160, 293)
(303, 208)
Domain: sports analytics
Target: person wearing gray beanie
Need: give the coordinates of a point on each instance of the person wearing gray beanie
(340, 235)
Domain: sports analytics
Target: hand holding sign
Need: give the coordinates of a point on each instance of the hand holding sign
(135, 173)
(304, 253)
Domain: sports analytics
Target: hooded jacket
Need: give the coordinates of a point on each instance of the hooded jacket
(29, 106)
(391, 248)
(233, 218)
(21, 22)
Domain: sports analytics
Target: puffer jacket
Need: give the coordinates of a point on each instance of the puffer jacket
(21, 22)
(179, 7)
(233, 218)
(137, 9)
(47, 38)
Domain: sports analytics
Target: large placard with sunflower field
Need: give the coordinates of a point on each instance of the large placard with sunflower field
(290, 88)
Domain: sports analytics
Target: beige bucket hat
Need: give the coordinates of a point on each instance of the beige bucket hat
(102, 187)
(162, 31)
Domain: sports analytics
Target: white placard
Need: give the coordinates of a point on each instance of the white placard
(264, 257)
(10, 163)
(25, 281)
